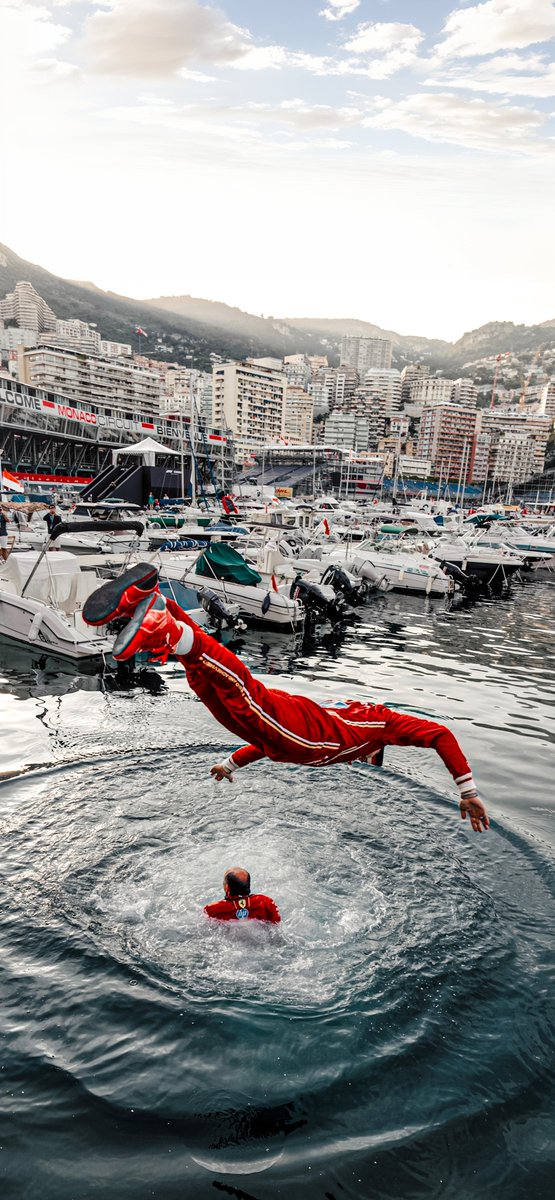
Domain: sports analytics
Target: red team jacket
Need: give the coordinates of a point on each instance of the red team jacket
(258, 908)
(289, 728)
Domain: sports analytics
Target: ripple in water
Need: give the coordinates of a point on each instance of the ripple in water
(403, 997)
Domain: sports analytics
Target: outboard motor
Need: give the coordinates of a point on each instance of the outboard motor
(218, 612)
(317, 602)
(470, 584)
(354, 591)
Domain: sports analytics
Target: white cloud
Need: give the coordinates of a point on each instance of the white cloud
(337, 9)
(272, 58)
(156, 38)
(30, 39)
(381, 49)
(497, 25)
(506, 74)
(479, 124)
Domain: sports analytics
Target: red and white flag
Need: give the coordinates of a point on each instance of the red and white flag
(141, 332)
(10, 483)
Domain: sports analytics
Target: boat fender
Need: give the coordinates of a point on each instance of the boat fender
(401, 575)
(34, 628)
(266, 603)
(429, 585)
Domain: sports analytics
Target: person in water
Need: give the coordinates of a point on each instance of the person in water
(239, 903)
(277, 724)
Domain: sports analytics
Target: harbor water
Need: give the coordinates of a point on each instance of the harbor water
(393, 1038)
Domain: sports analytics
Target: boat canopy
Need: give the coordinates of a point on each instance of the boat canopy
(220, 561)
(57, 579)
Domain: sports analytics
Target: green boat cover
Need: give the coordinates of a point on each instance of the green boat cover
(399, 529)
(220, 561)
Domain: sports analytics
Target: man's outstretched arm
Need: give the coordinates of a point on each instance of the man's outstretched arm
(404, 730)
(240, 758)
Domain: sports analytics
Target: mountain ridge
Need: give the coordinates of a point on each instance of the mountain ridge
(190, 329)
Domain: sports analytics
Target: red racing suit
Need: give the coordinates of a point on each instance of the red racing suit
(258, 908)
(290, 728)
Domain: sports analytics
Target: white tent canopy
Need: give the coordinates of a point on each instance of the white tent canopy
(147, 449)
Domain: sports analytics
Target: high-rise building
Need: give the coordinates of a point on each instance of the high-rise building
(499, 422)
(384, 386)
(433, 390)
(72, 335)
(124, 389)
(26, 308)
(447, 436)
(547, 400)
(347, 431)
(366, 353)
(409, 375)
(465, 392)
(512, 460)
(298, 417)
(250, 401)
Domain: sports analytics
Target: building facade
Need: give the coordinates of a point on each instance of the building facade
(447, 436)
(366, 353)
(298, 416)
(27, 309)
(249, 399)
(124, 388)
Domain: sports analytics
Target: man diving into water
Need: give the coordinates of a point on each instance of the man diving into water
(276, 724)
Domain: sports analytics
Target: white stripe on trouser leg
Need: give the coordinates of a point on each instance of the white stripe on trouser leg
(185, 643)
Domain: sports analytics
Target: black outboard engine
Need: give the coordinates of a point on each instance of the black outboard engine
(216, 609)
(353, 591)
(470, 584)
(318, 605)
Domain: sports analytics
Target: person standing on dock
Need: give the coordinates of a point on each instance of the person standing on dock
(53, 519)
(278, 725)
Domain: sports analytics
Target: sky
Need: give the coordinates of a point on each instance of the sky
(377, 159)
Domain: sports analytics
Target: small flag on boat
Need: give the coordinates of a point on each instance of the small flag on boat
(141, 332)
(326, 527)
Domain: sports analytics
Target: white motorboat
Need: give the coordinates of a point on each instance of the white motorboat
(390, 566)
(41, 601)
(260, 601)
(492, 567)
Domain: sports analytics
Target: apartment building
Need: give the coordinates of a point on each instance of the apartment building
(409, 375)
(447, 436)
(547, 400)
(431, 390)
(518, 422)
(122, 388)
(384, 387)
(366, 353)
(347, 431)
(249, 399)
(298, 416)
(27, 309)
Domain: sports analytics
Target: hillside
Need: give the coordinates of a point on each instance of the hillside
(186, 329)
(180, 336)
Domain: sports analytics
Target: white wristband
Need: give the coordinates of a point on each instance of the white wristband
(229, 765)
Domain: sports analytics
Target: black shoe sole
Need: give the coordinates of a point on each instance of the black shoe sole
(126, 635)
(103, 604)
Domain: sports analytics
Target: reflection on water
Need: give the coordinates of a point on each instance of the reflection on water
(392, 1038)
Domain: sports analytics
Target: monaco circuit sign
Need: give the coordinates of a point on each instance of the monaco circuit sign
(29, 402)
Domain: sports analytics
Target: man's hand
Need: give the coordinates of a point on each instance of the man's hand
(220, 772)
(477, 811)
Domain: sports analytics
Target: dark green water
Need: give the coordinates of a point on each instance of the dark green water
(393, 1039)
